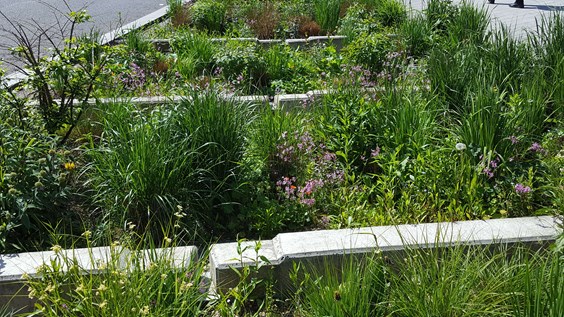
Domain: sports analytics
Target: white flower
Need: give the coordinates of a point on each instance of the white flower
(460, 146)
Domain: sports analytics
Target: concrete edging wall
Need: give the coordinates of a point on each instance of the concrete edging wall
(90, 260)
(315, 246)
(164, 46)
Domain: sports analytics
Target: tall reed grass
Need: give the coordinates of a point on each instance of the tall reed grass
(149, 161)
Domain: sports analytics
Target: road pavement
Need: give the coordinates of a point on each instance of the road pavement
(106, 15)
(519, 21)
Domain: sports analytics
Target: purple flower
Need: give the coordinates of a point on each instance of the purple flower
(310, 186)
(308, 201)
(493, 164)
(375, 152)
(535, 147)
(330, 157)
(202, 287)
(134, 79)
(325, 220)
(513, 139)
(522, 189)
(336, 176)
(488, 172)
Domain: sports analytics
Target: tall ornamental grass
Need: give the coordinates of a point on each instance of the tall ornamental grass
(434, 281)
(149, 161)
(326, 14)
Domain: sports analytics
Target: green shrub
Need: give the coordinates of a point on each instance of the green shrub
(369, 51)
(440, 13)
(208, 15)
(345, 122)
(36, 189)
(391, 13)
(357, 21)
(242, 65)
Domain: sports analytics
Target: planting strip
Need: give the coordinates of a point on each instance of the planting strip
(315, 247)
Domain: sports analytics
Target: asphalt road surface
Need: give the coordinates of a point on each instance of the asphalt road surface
(106, 15)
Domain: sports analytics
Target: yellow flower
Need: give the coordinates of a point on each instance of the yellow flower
(103, 304)
(102, 288)
(56, 248)
(69, 166)
(80, 288)
(144, 311)
(185, 286)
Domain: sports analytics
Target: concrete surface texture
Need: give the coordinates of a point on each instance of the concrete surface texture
(13, 266)
(519, 21)
(317, 246)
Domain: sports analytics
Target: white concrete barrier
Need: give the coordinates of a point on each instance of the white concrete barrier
(316, 246)
(13, 267)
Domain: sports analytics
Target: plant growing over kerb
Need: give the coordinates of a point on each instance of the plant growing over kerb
(243, 300)
(62, 81)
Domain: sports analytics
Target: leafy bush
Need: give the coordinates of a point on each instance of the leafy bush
(241, 64)
(440, 14)
(345, 122)
(208, 15)
(36, 180)
(391, 13)
(369, 51)
(357, 21)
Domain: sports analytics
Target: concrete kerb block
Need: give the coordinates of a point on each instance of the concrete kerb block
(266, 44)
(90, 260)
(180, 257)
(335, 40)
(296, 43)
(253, 40)
(317, 247)
(290, 101)
(14, 266)
(225, 258)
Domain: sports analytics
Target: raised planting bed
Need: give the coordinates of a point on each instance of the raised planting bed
(491, 259)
